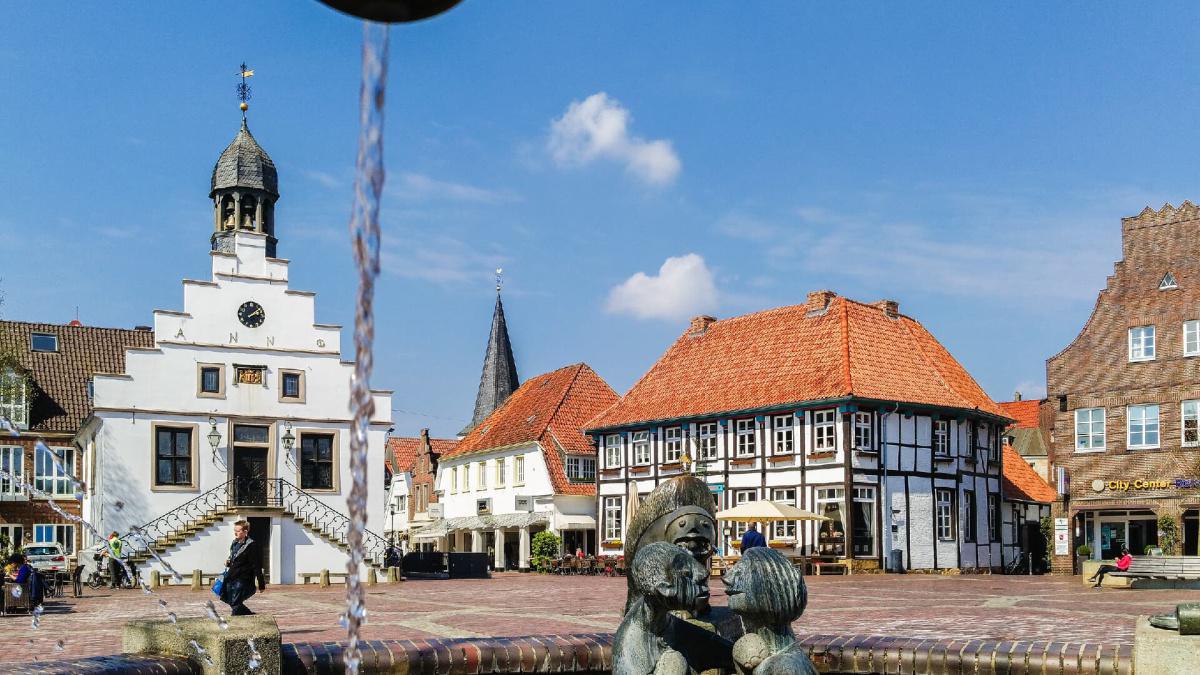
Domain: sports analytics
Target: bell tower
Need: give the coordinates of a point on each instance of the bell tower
(245, 186)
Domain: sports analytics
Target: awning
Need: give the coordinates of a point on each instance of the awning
(441, 528)
(565, 522)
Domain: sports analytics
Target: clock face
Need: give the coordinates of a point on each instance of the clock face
(251, 314)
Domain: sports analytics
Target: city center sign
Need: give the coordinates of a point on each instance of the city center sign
(1100, 485)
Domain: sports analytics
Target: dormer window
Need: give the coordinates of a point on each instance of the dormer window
(43, 342)
(1141, 343)
(1168, 282)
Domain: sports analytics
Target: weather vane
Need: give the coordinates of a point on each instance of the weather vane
(499, 279)
(243, 89)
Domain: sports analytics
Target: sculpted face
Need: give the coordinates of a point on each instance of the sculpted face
(686, 583)
(693, 532)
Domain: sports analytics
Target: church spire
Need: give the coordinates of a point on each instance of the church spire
(499, 378)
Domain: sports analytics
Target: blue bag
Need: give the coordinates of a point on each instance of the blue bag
(217, 585)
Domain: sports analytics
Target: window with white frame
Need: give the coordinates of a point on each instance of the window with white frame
(746, 438)
(482, 476)
(1143, 426)
(831, 537)
(969, 518)
(941, 438)
(641, 447)
(672, 444)
(518, 470)
(612, 519)
(1190, 423)
(15, 535)
(994, 517)
(501, 468)
(863, 431)
(824, 430)
(1089, 429)
(466, 477)
(12, 461)
(1191, 338)
(612, 451)
(581, 469)
(453, 480)
(993, 453)
(43, 342)
(55, 533)
(742, 497)
(944, 509)
(707, 440)
(1141, 343)
(784, 529)
(14, 399)
(51, 476)
(784, 424)
(862, 527)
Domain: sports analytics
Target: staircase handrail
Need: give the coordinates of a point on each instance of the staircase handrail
(142, 537)
(314, 510)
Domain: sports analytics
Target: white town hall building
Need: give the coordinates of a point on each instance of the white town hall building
(238, 410)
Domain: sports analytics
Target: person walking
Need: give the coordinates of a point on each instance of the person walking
(753, 539)
(242, 570)
(1122, 565)
(116, 572)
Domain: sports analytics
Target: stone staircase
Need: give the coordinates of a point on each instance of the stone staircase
(261, 495)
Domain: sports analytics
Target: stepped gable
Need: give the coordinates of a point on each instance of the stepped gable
(59, 400)
(1021, 483)
(1025, 413)
(549, 410)
(828, 348)
(402, 452)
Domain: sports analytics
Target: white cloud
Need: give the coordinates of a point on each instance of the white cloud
(598, 128)
(441, 260)
(324, 178)
(419, 187)
(683, 288)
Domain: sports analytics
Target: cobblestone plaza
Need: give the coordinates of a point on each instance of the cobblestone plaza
(960, 607)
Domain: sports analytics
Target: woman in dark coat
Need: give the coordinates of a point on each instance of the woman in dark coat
(242, 570)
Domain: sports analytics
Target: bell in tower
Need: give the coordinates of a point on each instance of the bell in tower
(245, 186)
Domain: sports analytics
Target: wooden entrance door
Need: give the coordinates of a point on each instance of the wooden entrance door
(260, 531)
(250, 476)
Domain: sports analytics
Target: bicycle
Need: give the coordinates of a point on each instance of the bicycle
(1018, 565)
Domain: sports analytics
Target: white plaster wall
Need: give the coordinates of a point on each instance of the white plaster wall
(460, 504)
(921, 531)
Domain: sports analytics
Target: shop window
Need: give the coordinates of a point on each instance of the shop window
(783, 434)
(1089, 429)
(672, 444)
(831, 538)
(863, 530)
(1143, 426)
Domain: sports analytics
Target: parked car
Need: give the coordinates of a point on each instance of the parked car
(49, 559)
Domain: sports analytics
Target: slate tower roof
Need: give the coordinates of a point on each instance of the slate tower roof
(499, 378)
(245, 164)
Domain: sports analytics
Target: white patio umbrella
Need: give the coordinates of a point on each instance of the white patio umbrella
(766, 511)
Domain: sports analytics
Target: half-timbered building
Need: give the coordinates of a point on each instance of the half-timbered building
(848, 409)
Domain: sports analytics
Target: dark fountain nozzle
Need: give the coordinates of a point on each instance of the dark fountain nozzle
(392, 11)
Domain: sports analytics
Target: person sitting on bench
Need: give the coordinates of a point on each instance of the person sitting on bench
(1122, 565)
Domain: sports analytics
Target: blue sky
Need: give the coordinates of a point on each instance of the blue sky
(970, 161)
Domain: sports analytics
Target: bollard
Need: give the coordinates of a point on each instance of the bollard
(393, 575)
(197, 580)
(324, 578)
(371, 578)
(155, 579)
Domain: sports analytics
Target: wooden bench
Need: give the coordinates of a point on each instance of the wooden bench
(819, 565)
(307, 577)
(1172, 568)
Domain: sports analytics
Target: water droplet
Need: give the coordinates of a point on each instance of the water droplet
(343, 621)
(59, 646)
(162, 604)
(16, 591)
(118, 505)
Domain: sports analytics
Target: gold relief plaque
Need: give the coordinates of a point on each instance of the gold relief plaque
(249, 375)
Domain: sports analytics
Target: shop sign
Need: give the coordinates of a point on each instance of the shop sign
(1061, 533)
(1099, 485)
(717, 488)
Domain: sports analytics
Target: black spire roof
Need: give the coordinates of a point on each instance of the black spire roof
(245, 164)
(499, 378)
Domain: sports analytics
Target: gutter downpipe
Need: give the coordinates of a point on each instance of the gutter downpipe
(883, 488)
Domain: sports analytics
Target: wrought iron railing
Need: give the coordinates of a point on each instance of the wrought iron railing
(252, 493)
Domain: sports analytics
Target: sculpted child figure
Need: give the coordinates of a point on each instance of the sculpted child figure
(667, 578)
(769, 594)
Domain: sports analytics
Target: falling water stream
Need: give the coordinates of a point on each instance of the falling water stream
(364, 234)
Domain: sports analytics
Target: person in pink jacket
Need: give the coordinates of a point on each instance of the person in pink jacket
(1122, 565)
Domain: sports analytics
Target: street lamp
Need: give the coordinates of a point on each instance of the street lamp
(214, 437)
(289, 439)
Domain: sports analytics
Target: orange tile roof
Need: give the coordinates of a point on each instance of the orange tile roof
(550, 410)
(1024, 412)
(402, 451)
(1021, 482)
(791, 355)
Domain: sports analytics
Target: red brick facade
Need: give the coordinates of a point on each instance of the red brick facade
(1096, 371)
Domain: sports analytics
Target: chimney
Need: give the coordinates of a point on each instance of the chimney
(818, 301)
(700, 324)
(75, 322)
(890, 307)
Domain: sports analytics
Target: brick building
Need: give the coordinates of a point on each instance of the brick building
(1124, 396)
(411, 467)
(47, 382)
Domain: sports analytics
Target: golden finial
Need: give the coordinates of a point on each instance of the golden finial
(243, 89)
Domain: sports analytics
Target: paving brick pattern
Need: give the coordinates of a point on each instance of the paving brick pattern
(989, 610)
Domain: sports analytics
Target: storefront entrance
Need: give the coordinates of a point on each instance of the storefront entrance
(1109, 531)
(1191, 525)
